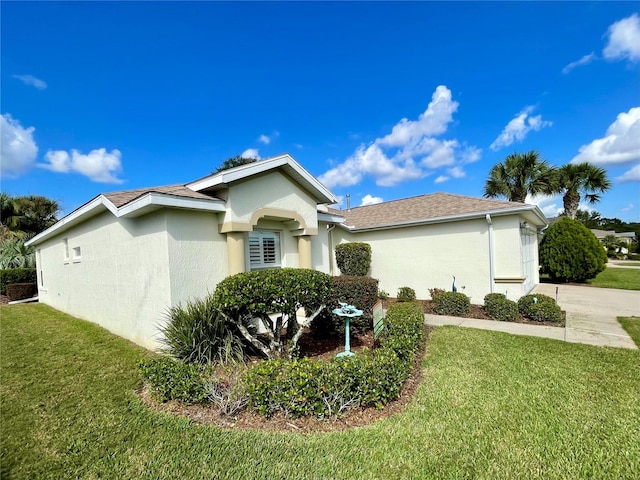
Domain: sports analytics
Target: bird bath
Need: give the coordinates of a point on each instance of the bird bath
(348, 312)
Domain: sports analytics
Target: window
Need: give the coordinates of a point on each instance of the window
(263, 249)
(77, 254)
(65, 242)
(39, 264)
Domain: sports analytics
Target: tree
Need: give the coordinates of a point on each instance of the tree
(569, 252)
(27, 215)
(520, 174)
(581, 180)
(589, 219)
(232, 162)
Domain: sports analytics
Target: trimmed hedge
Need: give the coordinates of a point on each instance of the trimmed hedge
(451, 303)
(362, 292)
(496, 305)
(540, 308)
(372, 378)
(406, 294)
(20, 291)
(354, 258)
(16, 275)
(174, 380)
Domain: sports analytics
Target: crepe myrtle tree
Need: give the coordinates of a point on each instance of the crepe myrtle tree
(273, 296)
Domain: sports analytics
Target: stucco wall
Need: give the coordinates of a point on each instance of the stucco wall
(429, 256)
(121, 281)
(197, 254)
(272, 190)
(320, 250)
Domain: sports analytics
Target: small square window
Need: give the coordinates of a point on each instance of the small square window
(77, 254)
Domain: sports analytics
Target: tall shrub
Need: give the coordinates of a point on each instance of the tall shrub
(362, 292)
(569, 252)
(354, 258)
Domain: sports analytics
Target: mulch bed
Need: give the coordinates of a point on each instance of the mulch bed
(477, 311)
(316, 349)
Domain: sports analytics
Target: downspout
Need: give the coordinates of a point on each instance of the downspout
(330, 238)
(492, 270)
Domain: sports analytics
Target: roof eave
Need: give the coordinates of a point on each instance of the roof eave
(453, 218)
(140, 206)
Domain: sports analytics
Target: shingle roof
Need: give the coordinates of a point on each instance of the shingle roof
(122, 198)
(422, 208)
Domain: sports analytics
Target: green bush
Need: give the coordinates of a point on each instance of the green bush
(200, 333)
(497, 306)
(406, 294)
(173, 380)
(634, 256)
(451, 303)
(569, 252)
(540, 308)
(362, 292)
(280, 291)
(16, 275)
(20, 291)
(372, 378)
(353, 258)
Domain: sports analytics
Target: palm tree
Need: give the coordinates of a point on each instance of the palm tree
(520, 174)
(578, 180)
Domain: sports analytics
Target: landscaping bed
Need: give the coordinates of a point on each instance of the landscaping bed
(477, 311)
(314, 349)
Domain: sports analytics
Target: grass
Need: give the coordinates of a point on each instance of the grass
(611, 277)
(491, 405)
(630, 263)
(632, 327)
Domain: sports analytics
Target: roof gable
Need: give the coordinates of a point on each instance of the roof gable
(283, 162)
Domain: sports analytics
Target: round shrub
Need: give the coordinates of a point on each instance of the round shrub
(406, 294)
(540, 308)
(451, 303)
(353, 258)
(569, 252)
(496, 305)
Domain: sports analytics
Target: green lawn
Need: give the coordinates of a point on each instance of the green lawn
(632, 326)
(491, 405)
(624, 278)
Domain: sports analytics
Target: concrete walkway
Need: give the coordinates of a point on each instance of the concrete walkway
(591, 316)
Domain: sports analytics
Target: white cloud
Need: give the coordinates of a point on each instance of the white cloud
(251, 153)
(370, 200)
(98, 165)
(551, 205)
(441, 179)
(408, 150)
(433, 121)
(18, 149)
(264, 139)
(624, 40)
(518, 128)
(583, 61)
(32, 81)
(621, 144)
(456, 172)
(632, 175)
(627, 208)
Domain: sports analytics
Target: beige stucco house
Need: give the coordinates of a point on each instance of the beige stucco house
(123, 258)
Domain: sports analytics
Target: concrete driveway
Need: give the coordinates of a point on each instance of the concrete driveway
(592, 312)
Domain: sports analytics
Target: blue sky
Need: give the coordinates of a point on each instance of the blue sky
(379, 100)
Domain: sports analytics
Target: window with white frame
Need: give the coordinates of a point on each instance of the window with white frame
(77, 254)
(263, 250)
(65, 243)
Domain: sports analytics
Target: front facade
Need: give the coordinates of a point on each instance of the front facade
(124, 258)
